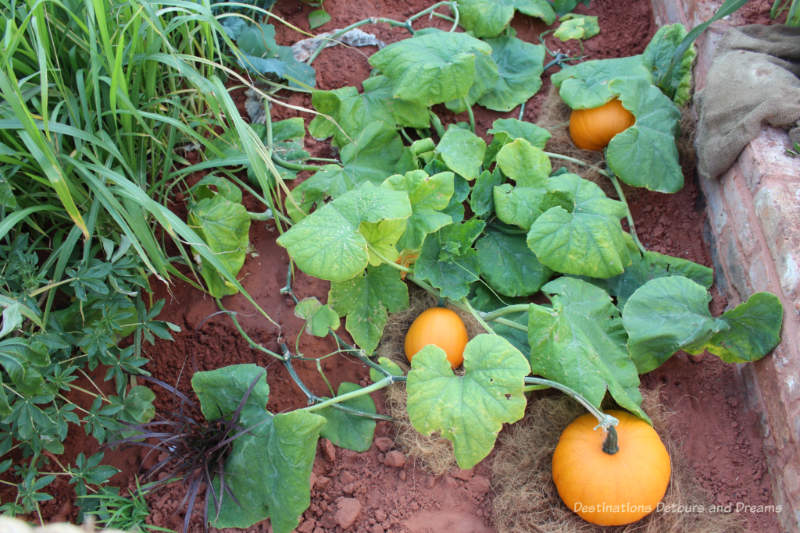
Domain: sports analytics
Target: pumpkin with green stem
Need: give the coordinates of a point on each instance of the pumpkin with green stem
(593, 129)
(612, 477)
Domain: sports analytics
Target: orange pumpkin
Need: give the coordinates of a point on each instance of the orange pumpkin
(593, 129)
(611, 489)
(439, 326)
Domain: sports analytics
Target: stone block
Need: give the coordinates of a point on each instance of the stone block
(766, 156)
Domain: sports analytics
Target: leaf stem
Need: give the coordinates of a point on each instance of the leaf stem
(385, 382)
(578, 162)
(631, 226)
(516, 308)
(510, 324)
(604, 420)
(244, 334)
(470, 113)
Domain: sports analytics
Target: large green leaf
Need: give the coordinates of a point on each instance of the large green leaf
(580, 342)
(671, 313)
(468, 410)
(328, 244)
(349, 430)
(645, 155)
(269, 468)
(518, 206)
(755, 329)
(481, 198)
(664, 315)
(432, 67)
(488, 18)
(462, 151)
(651, 265)
(508, 265)
(448, 261)
(428, 195)
(527, 165)
(589, 240)
(366, 300)
(658, 56)
(225, 227)
(505, 130)
(269, 471)
(520, 66)
(586, 85)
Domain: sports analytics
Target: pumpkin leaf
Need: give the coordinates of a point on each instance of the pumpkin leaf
(345, 429)
(508, 265)
(505, 130)
(527, 165)
(320, 318)
(586, 241)
(651, 265)
(448, 261)
(574, 26)
(468, 410)
(645, 155)
(658, 56)
(519, 66)
(327, 244)
(462, 151)
(586, 85)
(429, 195)
(225, 227)
(481, 198)
(432, 67)
(518, 206)
(367, 299)
(488, 18)
(580, 342)
(671, 313)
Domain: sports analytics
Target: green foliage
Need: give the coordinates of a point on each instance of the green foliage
(349, 429)
(487, 18)
(468, 409)
(577, 27)
(658, 57)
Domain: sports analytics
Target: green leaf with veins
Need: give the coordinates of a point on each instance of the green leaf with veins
(574, 26)
(327, 244)
(645, 155)
(651, 265)
(671, 313)
(448, 261)
(587, 241)
(658, 55)
(586, 85)
(432, 67)
(225, 227)
(375, 154)
(462, 151)
(348, 430)
(481, 198)
(366, 300)
(520, 66)
(382, 238)
(509, 266)
(527, 165)
(468, 410)
(269, 466)
(505, 130)
(580, 342)
(378, 91)
(320, 318)
(518, 206)
(488, 18)
(428, 195)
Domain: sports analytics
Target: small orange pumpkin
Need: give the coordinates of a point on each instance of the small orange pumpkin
(442, 327)
(611, 489)
(593, 129)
